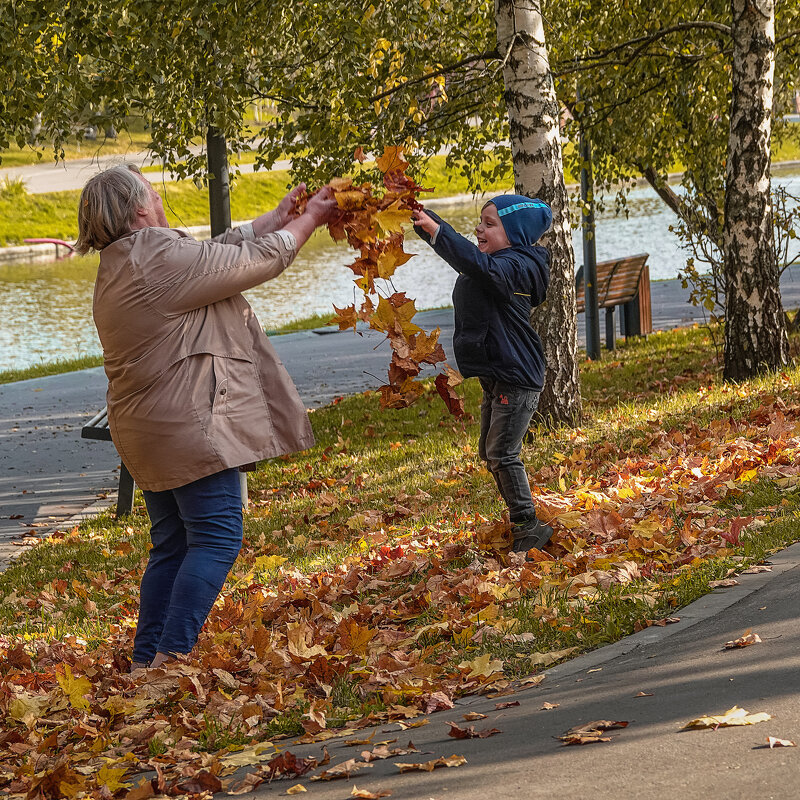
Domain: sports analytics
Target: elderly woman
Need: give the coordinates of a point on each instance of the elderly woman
(195, 390)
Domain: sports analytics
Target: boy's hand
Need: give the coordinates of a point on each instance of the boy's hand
(422, 220)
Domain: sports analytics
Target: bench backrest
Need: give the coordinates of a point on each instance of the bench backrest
(617, 281)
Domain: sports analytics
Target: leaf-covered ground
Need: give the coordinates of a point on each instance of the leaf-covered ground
(375, 582)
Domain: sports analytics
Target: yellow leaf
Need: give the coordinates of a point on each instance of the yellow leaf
(546, 659)
(732, 717)
(74, 688)
(482, 666)
(570, 519)
(389, 316)
(28, 708)
(298, 634)
(110, 777)
(390, 259)
(298, 788)
(392, 218)
(268, 563)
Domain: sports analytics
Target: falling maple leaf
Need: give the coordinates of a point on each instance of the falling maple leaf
(392, 219)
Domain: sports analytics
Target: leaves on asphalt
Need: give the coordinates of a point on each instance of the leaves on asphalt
(731, 718)
(457, 732)
(591, 732)
(773, 742)
(430, 766)
(745, 640)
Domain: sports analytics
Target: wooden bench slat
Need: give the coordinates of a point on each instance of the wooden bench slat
(623, 282)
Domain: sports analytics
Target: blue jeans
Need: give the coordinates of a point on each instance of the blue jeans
(506, 412)
(196, 532)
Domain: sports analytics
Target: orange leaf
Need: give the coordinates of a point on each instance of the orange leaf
(392, 159)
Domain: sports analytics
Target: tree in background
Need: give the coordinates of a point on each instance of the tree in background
(691, 86)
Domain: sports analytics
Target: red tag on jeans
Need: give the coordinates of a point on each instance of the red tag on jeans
(503, 400)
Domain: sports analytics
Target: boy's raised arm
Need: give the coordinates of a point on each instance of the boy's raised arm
(461, 254)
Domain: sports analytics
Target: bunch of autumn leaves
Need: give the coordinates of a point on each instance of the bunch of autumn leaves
(373, 224)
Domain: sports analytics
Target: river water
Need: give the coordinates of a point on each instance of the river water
(45, 309)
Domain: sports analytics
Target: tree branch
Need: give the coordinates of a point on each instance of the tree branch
(640, 41)
(433, 74)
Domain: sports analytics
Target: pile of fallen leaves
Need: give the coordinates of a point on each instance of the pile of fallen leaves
(405, 624)
(372, 223)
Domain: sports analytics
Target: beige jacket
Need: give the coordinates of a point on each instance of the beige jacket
(194, 385)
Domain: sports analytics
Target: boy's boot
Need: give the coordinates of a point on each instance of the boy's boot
(530, 533)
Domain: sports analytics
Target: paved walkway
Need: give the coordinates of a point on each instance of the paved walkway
(683, 673)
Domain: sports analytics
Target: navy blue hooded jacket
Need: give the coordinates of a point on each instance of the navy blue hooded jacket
(492, 298)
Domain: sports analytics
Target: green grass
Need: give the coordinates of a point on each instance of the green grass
(50, 368)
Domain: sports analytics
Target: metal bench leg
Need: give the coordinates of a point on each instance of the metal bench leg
(125, 492)
(611, 329)
(630, 313)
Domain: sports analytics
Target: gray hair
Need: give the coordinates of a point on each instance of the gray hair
(108, 206)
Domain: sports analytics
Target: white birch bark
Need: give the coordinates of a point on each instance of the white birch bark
(755, 330)
(533, 114)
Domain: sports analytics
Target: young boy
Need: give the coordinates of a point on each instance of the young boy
(499, 281)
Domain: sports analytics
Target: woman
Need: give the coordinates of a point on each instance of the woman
(195, 389)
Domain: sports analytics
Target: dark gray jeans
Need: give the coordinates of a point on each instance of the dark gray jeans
(506, 412)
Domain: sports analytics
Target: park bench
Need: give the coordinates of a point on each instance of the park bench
(623, 282)
(97, 428)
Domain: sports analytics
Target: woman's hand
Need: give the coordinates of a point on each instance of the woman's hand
(285, 210)
(320, 209)
(280, 216)
(422, 220)
(322, 206)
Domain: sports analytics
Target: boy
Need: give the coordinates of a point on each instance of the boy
(500, 280)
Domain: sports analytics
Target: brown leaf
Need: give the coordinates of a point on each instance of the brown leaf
(507, 704)
(745, 640)
(343, 770)
(724, 583)
(365, 794)
(430, 766)
(445, 384)
(472, 716)
(246, 785)
(457, 732)
(288, 765)
(437, 702)
(591, 732)
(548, 706)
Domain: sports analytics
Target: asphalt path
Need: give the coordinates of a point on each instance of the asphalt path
(657, 681)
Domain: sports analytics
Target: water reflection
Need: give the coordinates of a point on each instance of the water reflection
(46, 308)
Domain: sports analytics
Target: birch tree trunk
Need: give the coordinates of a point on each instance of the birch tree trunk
(755, 330)
(533, 115)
